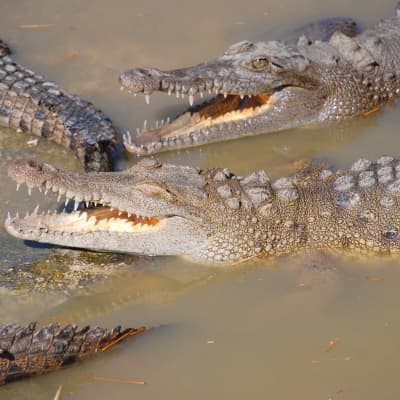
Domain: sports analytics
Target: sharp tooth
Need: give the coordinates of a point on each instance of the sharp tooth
(168, 120)
(201, 94)
(147, 97)
(177, 94)
(45, 192)
(8, 216)
(225, 95)
(35, 211)
(29, 191)
(48, 212)
(59, 197)
(66, 202)
(242, 96)
(76, 205)
(169, 91)
(18, 186)
(157, 124)
(17, 215)
(191, 100)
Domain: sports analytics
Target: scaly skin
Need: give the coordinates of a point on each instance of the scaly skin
(27, 351)
(30, 103)
(271, 86)
(213, 216)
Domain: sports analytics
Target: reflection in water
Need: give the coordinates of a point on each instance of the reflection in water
(249, 331)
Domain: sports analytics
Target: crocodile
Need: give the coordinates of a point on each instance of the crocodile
(30, 103)
(28, 350)
(273, 86)
(212, 216)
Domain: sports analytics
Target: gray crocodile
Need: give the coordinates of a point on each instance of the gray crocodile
(272, 86)
(26, 351)
(214, 216)
(32, 104)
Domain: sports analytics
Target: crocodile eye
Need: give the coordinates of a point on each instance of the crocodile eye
(259, 63)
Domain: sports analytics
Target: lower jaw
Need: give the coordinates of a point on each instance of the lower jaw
(179, 134)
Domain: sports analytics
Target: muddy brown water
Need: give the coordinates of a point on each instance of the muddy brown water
(256, 331)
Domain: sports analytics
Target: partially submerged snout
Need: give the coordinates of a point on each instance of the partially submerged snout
(125, 212)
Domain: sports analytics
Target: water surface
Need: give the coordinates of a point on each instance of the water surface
(255, 331)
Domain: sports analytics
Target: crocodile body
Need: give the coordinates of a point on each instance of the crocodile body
(32, 104)
(26, 351)
(271, 86)
(214, 216)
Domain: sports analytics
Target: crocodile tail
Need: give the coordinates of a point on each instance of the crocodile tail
(28, 350)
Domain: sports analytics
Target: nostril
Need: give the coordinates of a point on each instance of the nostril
(141, 79)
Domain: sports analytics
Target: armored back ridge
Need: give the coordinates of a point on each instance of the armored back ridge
(27, 351)
(32, 104)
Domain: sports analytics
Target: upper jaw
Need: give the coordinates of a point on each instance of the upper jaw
(214, 78)
(139, 190)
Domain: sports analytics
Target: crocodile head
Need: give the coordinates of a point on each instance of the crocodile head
(149, 209)
(259, 87)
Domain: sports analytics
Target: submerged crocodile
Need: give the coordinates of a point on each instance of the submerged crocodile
(32, 104)
(27, 350)
(214, 216)
(271, 86)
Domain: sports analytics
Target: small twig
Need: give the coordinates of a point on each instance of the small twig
(116, 380)
(372, 278)
(332, 344)
(36, 26)
(69, 57)
(132, 332)
(58, 393)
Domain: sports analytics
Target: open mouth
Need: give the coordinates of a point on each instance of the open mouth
(78, 216)
(123, 212)
(199, 122)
